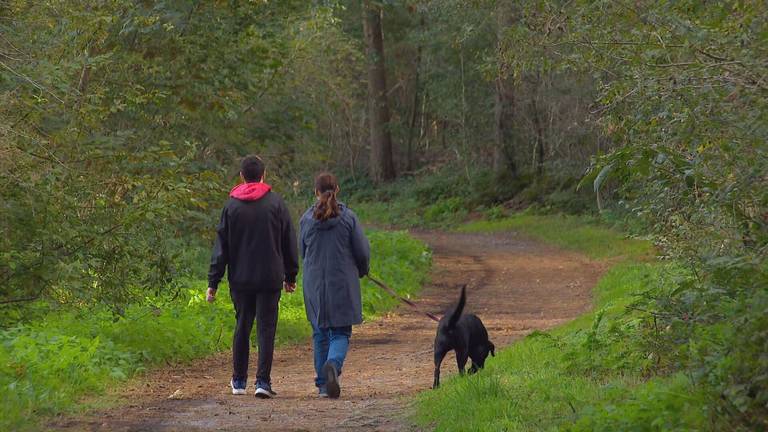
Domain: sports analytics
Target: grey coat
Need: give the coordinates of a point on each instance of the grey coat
(336, 255)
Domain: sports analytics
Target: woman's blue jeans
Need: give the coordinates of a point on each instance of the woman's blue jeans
(330, 345)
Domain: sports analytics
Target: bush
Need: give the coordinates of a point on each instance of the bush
(716, 327)
(670, 404)
(445, 211)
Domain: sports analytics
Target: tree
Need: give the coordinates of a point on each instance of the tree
(504, 102)
(382, 167)
(416, 95)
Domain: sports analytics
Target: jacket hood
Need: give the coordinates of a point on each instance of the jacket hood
(326, 224)
(250, 191)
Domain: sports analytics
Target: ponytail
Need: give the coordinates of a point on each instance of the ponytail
(327, 206)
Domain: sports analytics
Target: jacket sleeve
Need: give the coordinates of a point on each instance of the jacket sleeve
(361, 249)
(289, 246)
(220, 254)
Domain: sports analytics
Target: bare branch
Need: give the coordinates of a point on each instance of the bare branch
(31, 81)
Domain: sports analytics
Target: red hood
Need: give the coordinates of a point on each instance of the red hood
(250, 191)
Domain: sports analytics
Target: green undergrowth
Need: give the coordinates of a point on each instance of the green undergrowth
(592, 374)
(412, 213)
(451, 195)
(47, 364)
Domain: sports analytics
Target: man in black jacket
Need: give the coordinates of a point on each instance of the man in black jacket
(256, 242)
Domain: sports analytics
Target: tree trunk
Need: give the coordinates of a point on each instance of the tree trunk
(85, 73)
(539, 143)
(503, 151)
(382, 167)
(415, 107)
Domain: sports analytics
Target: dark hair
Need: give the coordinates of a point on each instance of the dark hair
(327, 207)
(252, 168)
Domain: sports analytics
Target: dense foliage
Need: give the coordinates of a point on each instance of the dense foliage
(684, 96)
(122, 122)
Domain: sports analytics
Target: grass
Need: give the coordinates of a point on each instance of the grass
(441, 213)
(48, 364)
(588, 375)
(580, 233)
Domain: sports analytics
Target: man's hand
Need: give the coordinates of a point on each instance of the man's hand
(289, 286)
(211, 296)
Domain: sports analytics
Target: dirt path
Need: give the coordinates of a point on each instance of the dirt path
(515, 286)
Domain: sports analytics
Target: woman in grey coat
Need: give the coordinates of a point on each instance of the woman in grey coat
(336, 255)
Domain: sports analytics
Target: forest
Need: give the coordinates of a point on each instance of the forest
(634, 132)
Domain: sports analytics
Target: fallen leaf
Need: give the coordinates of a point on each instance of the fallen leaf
(177, 395)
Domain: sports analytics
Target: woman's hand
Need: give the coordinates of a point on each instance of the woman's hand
(211, 295)
(289, 287)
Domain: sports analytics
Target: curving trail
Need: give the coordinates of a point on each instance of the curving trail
(515, 285)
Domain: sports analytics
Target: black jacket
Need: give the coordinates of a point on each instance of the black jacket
(255, 240)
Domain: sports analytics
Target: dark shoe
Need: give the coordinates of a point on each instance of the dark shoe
(331, 380)
(238, 386)
(264, 390)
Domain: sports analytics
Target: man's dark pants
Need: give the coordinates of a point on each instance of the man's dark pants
(261, 305)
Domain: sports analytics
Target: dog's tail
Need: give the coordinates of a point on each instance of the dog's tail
(456, 314)
(492, 348)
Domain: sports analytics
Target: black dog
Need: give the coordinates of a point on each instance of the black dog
(465, 334)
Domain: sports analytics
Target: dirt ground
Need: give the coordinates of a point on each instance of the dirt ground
(515, 285)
